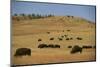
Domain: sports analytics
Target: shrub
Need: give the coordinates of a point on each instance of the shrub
(72, 16)
(68, 16)
(15, 15)
(17, 19)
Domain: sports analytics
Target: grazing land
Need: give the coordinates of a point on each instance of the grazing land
(63, 31)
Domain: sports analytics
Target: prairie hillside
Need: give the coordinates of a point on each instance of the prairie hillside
(62, 30)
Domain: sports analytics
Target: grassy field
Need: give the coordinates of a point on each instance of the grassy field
(25, 34)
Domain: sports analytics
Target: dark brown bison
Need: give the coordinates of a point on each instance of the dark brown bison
(42, 46)
(78, 38)
(51, 46)
(86, 47)
(69, 46)
(68, 30)
(39, 39)
(57, 46)
(67, 38)
(65, 35)
(62, 36)
(23, 51)
(71, 38)
(94, 47)
(48, 32)
(60, 39)
(51, 38)
(76, 49)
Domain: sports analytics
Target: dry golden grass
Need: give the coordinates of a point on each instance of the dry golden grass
(25, 34)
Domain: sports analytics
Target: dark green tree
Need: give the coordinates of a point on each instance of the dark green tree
(15, 14)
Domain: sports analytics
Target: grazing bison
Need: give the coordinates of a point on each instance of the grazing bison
(39, 39)
(23, 51)
(62, 36)
(57, 46)
(60, 39)
(78, 38)
(68, 30)
(42, 46)
(67, 38)
(69, 46)
(87, 47)
(51, 46)
(65, 35)
(76, 49)
(48, 32)
(94, 46)
(71, 38)
(51, 38)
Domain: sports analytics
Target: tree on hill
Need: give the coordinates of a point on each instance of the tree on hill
(15, 14)
(22, 15)
(50, 15)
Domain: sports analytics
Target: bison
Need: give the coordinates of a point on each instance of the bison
(48, 32)
(76, 49)
(60, 39)
(57, 46)
(69, 46)
(42, 46)
(78, 38)
(67, 38)
(68, 30)
(87, 47)
(51, 38)
(39, 39)
(94, 47)
(51, 46)
(71, 38)
(54, 46)
(23, 51)
(62, 36)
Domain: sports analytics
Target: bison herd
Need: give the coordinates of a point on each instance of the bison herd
(74, 49)
(63, 37)
(77, 48)
(49, 46)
